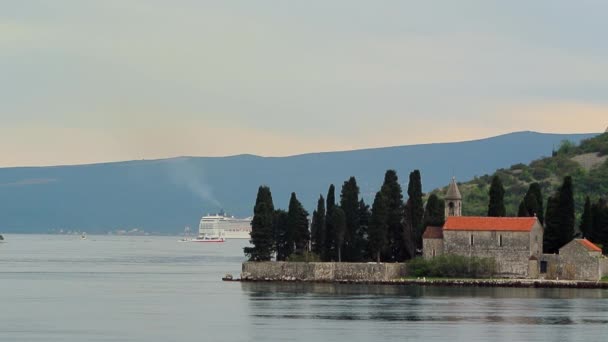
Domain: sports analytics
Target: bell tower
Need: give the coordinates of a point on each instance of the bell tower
(453, 200)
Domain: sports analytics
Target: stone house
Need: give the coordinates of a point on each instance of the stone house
(579, 259)
(432, 242)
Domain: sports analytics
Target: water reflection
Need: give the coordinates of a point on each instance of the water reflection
(423, 305)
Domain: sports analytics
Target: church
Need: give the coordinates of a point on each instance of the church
(515, 243)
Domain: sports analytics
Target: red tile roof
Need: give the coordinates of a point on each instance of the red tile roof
(513, 224)
(433, 233)
(589, 245)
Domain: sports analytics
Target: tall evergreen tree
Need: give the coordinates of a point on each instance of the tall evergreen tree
(339, 221)
(434, 212)
(262, 237)
(586, 225)
(566, 212)
(522, 211)
(281, 235)
(535, 190)
(364, 219)
(391, 190)
(559, 220)
(409, 234)
(317, 228)
(496, 207)
(297, 222)
(594, 235)
(378, 227)
(551, 233)
(600, 224)
(329, 244)
(416, 210)
(349, 202)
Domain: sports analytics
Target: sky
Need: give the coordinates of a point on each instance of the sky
(94, 81)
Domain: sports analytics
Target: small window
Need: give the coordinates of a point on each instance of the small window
(472, 240)
(433, 252)
(500, 240)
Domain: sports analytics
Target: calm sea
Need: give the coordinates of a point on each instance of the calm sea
(109, 288)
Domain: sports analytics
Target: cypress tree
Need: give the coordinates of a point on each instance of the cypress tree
(496, 207)
(586, 225)
(339, 221)
(600, 224)
(409, 234)
(416, 210)
(434, 213)
(566, 212)
(297, 223)
(349, 202)
(317, 228)
(378, 227)
(535, 190)
(280, 227)
(551, 234)
(329, 245)
(522, 211)
(391, 190)
(364, 219)
(262, 237)
(596, 217)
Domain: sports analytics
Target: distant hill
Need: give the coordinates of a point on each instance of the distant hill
(587, 163)
(166, 195)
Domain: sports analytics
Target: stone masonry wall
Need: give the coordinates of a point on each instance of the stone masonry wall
(511, 258)
(576, 263)
(428, 245)
(322, 271)
(604, 267)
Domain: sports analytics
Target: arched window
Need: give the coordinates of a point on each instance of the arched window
(451, 211)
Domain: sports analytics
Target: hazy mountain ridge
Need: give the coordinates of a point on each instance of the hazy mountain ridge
(587, 163)
(167, 194)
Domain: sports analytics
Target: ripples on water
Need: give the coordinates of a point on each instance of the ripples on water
(58, 288)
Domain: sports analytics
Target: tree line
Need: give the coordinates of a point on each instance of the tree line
(346, 229)
(559, 218)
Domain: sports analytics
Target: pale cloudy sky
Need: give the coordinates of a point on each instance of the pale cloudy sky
(90, 81)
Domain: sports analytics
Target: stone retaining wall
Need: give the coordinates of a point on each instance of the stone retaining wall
(322, 271)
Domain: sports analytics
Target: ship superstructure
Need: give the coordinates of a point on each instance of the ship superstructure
(223, 226)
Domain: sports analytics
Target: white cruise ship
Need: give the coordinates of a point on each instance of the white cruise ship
(224, 226)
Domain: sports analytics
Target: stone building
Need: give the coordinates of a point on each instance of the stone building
(579, 259)
(432, 242)
(515, 243)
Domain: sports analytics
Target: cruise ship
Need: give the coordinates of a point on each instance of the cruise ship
(223, 226)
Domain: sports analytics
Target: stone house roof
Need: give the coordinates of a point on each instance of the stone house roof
(589, 245)
(433, 233)
(476, 223)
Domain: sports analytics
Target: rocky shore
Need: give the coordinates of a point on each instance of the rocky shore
(522, 283)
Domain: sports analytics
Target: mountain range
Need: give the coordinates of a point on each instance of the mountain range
(163, 196)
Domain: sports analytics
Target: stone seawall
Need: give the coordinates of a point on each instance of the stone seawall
(322, 271)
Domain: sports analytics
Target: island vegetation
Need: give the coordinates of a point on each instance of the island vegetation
(347, 229)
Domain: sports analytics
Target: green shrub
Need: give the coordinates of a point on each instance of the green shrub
(452, 266)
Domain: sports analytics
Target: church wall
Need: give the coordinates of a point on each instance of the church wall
(428, 245)
(511, 258)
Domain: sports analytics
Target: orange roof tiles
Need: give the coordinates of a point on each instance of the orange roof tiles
(589, 245)
(433, 233)
(469, 223)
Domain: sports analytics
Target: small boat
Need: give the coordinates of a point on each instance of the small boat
(207, 238)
